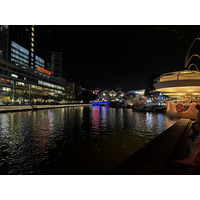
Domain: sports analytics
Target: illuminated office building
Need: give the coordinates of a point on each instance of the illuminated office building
(25, 62)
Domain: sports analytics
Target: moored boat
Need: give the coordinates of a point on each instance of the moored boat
(100, 103)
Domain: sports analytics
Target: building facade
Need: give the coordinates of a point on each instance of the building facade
(30, 45)
(70, 91)
(56, 64)
(136, 94)
(110, 95)
(25, 64)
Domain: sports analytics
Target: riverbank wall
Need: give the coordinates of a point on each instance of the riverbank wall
(158, 156)
(4, 109)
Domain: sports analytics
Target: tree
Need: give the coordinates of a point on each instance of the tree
(18, 95)
(87, 96)
(150, 82)
(183, 31)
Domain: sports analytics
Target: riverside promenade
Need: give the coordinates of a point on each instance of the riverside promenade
(16, 108)
(158, 156)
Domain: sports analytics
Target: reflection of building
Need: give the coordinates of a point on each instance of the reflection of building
(25, 63)
(110, 95)
(56, 64)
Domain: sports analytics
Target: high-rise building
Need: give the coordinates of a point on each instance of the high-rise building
(56, 64)
(3, 41)
(25, 57)
(30, 45)
(70, 90)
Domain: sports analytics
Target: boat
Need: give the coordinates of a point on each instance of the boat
(117, 104)
(184, 86)
(153, 106)
(100, 103)
(174, 111)
(179, 84)
(150, 108)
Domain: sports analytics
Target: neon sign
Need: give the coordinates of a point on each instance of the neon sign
(44, 70)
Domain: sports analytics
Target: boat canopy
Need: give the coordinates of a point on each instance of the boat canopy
(179, 83)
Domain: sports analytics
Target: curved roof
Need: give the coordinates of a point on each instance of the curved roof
(180, 83)
(180, 75)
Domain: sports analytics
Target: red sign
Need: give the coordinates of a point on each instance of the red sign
(44, 70)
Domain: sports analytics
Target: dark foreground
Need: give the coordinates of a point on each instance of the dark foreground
(158, 156)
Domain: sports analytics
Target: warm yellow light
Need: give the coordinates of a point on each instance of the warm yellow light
(32, 39)
(180, 75)
(183, 89)
(32, 28)
(32, 34)
(32, 44)
(32, 49)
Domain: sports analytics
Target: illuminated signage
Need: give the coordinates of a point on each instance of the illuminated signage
(44, 70)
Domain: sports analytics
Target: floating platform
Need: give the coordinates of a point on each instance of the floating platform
(100, 103)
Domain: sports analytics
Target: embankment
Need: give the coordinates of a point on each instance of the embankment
(159, 155)
(4, 109)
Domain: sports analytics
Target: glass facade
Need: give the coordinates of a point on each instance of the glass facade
(19, 54)
(39, 62)
(51, 85)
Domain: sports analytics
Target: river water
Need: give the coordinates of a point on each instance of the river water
(75, 140)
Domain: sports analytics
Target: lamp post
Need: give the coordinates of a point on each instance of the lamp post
(29, 93)
(13, 82)
(41, 94)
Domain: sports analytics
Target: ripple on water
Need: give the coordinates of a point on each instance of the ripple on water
(82, 138)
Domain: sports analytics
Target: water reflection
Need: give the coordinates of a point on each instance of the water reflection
(95, 118)
(76, 140)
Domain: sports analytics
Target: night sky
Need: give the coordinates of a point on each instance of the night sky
(118, 56)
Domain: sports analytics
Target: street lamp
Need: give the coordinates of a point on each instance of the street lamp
(13, 82)
(29, 93)
(41, 94)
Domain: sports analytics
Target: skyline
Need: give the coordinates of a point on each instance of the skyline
(119, 56)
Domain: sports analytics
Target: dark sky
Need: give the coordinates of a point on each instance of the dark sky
(118, 56)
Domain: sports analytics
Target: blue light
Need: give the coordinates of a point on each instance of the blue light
(100, 103)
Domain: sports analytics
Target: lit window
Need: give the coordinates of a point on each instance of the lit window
(32, 49)
(32, 39)
(32, 34)
(32, 28)
(32, 44)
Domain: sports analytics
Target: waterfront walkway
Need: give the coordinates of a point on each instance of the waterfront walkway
(158, 156)
(16, 108)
